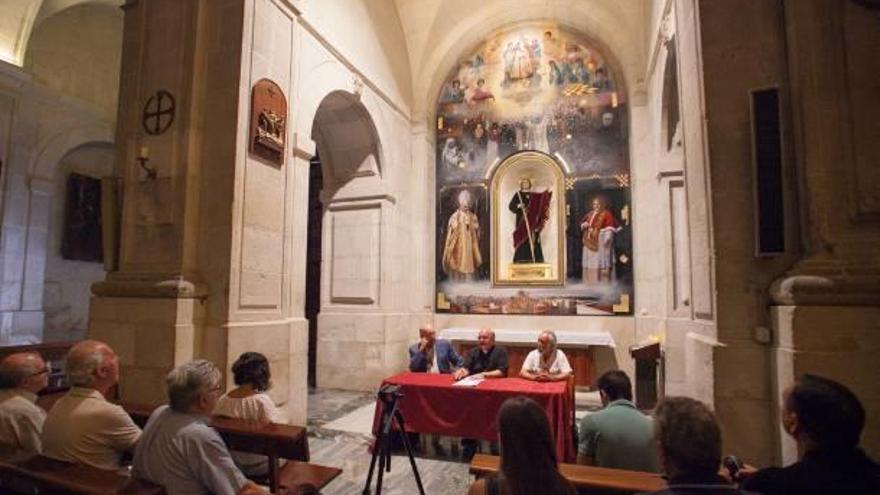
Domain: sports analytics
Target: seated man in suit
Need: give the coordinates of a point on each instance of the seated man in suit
(432, 355)
(546, 363)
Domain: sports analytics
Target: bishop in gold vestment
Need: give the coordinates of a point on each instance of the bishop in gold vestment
(461, 252)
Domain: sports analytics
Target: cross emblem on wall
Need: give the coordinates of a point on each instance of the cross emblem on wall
(158, 113)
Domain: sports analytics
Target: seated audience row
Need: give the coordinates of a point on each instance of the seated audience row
(177, 449)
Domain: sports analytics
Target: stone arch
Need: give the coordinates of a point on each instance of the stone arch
(599, 24)
(347, 138)
(53, 148)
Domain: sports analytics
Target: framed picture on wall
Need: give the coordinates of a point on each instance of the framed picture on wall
(528, 219)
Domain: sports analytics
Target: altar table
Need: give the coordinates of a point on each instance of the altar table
(431, 404)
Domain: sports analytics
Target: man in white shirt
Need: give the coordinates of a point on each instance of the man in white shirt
(83, 427)
(546, 363)
(22, 375)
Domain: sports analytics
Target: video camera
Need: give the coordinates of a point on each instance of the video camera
(389, 393)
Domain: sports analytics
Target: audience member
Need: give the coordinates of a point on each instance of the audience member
(22, 375)
(546, 363)
(826, 420)
(179, 450)
(83, 426)
(689, 444)
(486, 360)
(249, 400)
(619, 436)
(431, 354)
(528, 454)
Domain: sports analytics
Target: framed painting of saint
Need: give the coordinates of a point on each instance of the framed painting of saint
(528, 221)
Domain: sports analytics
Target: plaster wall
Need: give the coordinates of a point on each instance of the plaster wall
(67, 287)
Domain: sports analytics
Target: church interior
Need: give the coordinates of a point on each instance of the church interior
(315, 180)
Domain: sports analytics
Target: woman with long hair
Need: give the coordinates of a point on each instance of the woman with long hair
(528, 454)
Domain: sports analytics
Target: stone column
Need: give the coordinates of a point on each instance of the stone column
(827, 307)
(205, 261)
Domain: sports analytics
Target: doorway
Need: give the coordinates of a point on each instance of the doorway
(313, 263)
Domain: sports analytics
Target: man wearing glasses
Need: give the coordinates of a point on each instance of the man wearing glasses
(22, 375)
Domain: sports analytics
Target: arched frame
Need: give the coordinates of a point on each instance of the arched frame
(544, 175)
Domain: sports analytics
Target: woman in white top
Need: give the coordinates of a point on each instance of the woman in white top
(249, 400)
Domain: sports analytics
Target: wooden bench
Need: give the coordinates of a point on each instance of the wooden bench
(586, 479)
(273, 440)
(27, 473)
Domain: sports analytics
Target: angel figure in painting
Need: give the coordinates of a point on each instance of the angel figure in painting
(598, 227)
(532, 211)
(461, 252)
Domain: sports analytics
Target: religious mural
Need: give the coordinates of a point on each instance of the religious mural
(533, 179)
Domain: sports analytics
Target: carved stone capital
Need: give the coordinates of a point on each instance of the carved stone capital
(821, 290)
(170, 288)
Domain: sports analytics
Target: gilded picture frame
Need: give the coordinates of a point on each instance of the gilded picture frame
(528, 224)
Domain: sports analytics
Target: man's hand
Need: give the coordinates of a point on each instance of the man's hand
(744, 472)
(252, 489)
(424, 345)
(542, 377)
(459, 374)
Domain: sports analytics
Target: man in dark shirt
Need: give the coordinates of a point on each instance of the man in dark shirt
(689, 448)
(486, 360)
(826, 420)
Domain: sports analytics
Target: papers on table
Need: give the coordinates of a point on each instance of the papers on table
(468, 381)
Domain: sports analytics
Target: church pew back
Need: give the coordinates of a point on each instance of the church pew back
(585, 478)
(23, 472)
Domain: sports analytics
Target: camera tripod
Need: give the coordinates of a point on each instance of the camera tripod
(382, 445)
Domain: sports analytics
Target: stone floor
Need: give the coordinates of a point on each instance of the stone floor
(442, 473)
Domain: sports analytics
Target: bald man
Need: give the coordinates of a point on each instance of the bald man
(83, 427)
(546, 363)
(22, 375)
(486, 360)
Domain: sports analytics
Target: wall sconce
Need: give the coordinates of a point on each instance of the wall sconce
(143, 158)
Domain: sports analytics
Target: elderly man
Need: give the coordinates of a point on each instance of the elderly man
(486, 360)
(619, 436)
(826, 419)
(689, 444)
(22, 375)
(179, 450)
(432, 355)
(83, 427)
(546, 363)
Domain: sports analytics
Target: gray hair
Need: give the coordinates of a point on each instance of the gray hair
(80, 367)
(552, 335)
(188, 381)
(12, 373)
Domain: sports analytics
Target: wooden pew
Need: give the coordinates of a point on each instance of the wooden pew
(24, 472)
(586, 478)
(275, 441)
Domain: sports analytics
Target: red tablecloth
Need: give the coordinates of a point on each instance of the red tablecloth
(430, 404)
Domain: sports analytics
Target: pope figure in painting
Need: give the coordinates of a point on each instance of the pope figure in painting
(598, 227)
(531, 210)
(461, 252)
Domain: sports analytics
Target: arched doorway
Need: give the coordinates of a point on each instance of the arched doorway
(343, 237)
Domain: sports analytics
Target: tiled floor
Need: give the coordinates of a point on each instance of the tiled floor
(345, 445)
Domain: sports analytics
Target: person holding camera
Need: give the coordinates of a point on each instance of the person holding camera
(826, 420)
